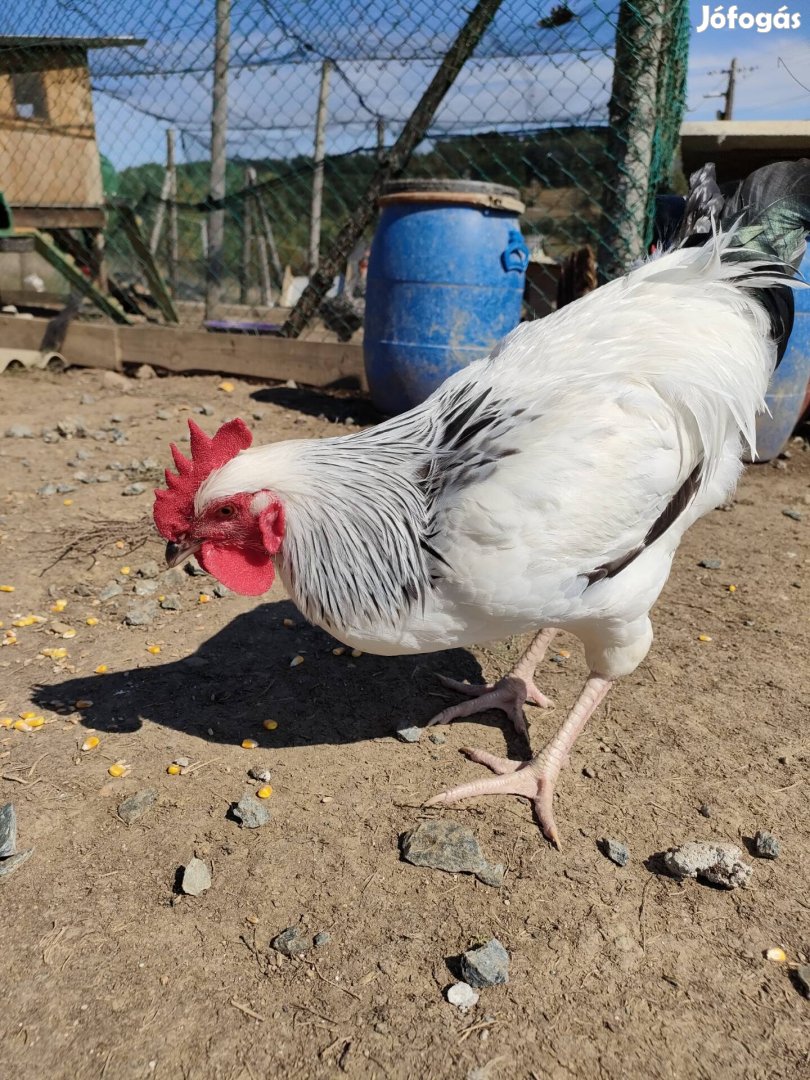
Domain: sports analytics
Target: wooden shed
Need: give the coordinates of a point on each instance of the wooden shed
(737, 147)
(49, 162)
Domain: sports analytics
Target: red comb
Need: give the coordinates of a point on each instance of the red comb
(174, 505)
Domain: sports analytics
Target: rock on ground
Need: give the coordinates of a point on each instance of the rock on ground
(141, 614)
(8, 830)
(409, 733)
(462, 996)
(14, 862)
(251, 812)
(445, 845)
(196, 878)
(135, 806)
(291, 942)
(615, 851)
(718, 864)
(488, 965)
(766, 846)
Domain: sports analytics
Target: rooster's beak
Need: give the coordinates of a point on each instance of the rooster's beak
(177, 553)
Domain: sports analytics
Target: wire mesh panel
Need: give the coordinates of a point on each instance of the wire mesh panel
(140, 131)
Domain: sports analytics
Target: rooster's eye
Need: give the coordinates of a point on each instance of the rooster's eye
(225, 511)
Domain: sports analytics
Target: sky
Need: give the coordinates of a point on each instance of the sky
(559, 75)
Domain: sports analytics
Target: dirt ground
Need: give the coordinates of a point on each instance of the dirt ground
(107, 971)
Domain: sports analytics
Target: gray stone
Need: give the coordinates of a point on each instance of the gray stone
(488, 965)
(766, 846)
(112, 380)
(14, 862)
(135, 806)
(146, 588)
(69, 428)
(196, 878)
(705, 810)
(19, 431)
(291, 942)
(251, 812)
(803, 979)
(193, 569)
(446, 845)
(257, 415)
(104, 478)
(145, 372)
(141, 614)
(8, 830)
(717, 864)
(83, 477)
(206, 410)
(220, 590)
(409, 733)
(87, 399)
(64, 489)
(149, 569)
(794, 515)
(711, 564)
(170, 602)
(111, 589)
(462, 996)
(437, 738)
(164, 414)
(261, 773)
(614, 850)
(47, 490)
(134, 489)
(323, 937)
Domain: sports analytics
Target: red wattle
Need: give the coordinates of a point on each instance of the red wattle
(244, 570)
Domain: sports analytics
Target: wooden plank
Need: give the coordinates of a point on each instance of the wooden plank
(57, 217)
(102, 345)
(86, 344)
(318, 363)
(131, 225)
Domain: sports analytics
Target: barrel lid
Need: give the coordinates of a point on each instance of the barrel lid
(470, 192)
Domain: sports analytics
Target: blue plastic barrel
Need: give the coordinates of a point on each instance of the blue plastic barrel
(445, 283)
(787, 389)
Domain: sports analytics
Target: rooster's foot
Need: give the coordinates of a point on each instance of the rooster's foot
(534, 780)
(510, 694)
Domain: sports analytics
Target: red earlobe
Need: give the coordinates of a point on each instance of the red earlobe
(271, 524)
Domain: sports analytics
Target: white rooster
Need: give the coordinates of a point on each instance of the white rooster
(546, 486)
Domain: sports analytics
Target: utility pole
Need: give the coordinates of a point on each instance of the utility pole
(734, 72)
(317, 176)
(219, 128)
(172, 245)
(728, 108)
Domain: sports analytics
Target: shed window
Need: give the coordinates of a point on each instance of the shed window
(29, 95)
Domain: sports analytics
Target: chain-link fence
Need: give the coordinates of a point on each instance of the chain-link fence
(184, 153)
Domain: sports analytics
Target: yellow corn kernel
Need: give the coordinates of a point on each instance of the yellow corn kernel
(173, 769)
(6, 721)
(91, 620)
(732, 588)
(779, 956)
(704, 637)
(356, 653)
(36, 722)
(339, 651)
(27, 714)
(9, 638)
(125, 570)
(7, 588)
(21, 725)
(102, 669)
(59, 605)
(67, 502)
(226, 387)
(26, 620)
(120, 545)
(69, 633)
(153, 649)
(203, 598)
(91, 742)
(270, 725)
(161, 598)
(249, 744)
(54, 654)
(118, 768)
(264, 792)
(564, 653)
(297, 661)
(288, 623)
(82, 703)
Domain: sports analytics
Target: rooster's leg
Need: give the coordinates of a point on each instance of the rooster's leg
(534, 779)
(510, 694)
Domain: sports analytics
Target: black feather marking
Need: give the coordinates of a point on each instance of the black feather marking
(671, 512)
